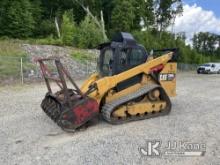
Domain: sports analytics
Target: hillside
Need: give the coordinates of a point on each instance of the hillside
(80, 62)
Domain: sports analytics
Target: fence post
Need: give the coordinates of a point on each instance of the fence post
(87, 67)
(22, 75)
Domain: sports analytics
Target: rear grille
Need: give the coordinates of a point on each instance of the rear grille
(201, 69)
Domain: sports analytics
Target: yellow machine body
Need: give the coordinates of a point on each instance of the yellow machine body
(105, 84)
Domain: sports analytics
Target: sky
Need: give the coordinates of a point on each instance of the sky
(213, 5)
(199, 15)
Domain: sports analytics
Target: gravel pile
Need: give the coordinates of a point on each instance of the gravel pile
(28, 136)
(76, 69)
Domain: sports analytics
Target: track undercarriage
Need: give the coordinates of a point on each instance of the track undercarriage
(147, 102)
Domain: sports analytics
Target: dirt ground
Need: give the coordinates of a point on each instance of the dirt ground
(28, 136)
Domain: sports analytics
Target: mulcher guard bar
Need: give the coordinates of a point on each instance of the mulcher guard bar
(69, 108)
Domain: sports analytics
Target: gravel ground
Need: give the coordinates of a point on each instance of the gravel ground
(28, 136)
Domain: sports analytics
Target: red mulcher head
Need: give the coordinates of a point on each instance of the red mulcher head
(69, 108)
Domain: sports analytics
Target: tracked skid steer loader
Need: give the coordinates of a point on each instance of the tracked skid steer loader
(128, 86)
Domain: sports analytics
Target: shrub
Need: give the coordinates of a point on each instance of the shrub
(46, 28)
(16, 19)
(47, 41)
(151, 40)
(68, 29)
(88, 34)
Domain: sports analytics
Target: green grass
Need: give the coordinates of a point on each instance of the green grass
(82, 55)
(46, 41)
(11, 48)
(11, 53)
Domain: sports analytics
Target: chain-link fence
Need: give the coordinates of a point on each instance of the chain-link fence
(26, 70)
(16, 69)
(187, 67)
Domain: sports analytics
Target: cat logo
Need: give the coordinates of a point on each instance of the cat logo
(167, 77)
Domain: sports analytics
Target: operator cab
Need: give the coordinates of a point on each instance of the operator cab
(121, 54)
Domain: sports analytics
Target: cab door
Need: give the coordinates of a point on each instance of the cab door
(107, 62)
(128, 58)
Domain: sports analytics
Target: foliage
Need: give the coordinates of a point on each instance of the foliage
(45, 28)
(166, 11)
(34, 20)
(68, 29)
(46, 41)
(144, 14)
(9, 47)
(16, 18)
(88, 34)
(207, 43)
(119, 15)
(10, 56)
(152, 41)
(123, 16)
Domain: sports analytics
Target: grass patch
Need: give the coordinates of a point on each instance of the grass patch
(11, 48)
(11, 53)
(83, 56)
(46, 41)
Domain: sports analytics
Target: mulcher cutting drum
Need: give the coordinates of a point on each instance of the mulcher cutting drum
(71, 116)
(69, 108)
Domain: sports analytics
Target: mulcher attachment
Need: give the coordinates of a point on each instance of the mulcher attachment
(69, 108)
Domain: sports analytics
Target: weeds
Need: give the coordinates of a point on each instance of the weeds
(83, 56)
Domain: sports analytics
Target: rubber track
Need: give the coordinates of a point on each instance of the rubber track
(110, 107)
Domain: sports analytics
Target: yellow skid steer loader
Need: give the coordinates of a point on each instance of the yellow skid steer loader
(128, 86)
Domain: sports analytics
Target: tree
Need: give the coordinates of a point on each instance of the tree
(166, 11)
(107, 8)
(95, 6)
(123, 16)
(99, 23)
(68, 29)
(16, 19)
(144, 14)
(205, 42)
(88, 35)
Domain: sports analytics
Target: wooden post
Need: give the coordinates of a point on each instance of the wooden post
(22, 75)
(87, 67)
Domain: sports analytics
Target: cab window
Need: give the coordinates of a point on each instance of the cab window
(107, 62)
(131, 57)
(136, 57)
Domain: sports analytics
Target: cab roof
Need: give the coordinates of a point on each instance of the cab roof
(122, 38)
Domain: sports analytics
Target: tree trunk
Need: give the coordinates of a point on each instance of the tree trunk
(57, 27)
(103, 27)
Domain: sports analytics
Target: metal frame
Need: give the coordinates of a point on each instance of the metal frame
(61, 81)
